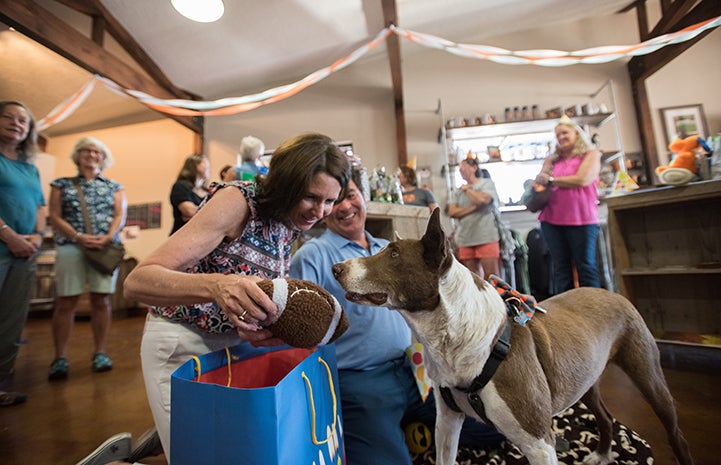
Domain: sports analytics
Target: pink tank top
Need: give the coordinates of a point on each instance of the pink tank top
(571, 207)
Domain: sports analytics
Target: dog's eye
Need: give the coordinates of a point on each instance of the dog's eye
(395, 253)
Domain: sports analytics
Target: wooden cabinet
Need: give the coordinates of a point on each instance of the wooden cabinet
(666, 247)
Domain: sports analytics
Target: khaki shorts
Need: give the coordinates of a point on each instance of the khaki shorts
(72, 271)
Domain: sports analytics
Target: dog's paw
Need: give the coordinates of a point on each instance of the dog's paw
(594, 458)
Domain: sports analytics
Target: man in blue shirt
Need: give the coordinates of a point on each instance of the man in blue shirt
(378, 391)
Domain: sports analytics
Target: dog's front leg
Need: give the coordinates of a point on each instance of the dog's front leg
(448, 431)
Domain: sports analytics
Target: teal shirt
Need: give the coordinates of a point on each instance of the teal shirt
(20, 197)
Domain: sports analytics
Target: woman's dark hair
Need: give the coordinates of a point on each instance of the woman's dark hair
(225, 168)
(291, 171)
(28, 147)
(410, 175)
(474, 163)
(189, 172)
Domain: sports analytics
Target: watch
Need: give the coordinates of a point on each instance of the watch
(550, 180)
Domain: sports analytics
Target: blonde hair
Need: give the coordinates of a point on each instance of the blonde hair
(108, 159)
(583, 142)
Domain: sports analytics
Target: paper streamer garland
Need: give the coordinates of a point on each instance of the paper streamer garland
(234, 105)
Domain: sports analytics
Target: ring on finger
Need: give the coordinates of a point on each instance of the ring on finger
(242, 315)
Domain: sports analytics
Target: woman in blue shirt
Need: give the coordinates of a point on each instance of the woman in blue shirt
(22, 221)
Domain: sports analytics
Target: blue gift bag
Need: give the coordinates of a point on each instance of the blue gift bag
(248, 406)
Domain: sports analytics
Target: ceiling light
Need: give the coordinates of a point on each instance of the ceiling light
(202, 11)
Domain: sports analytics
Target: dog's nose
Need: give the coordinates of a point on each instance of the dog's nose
(337, 270)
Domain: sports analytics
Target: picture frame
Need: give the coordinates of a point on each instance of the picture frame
(683, 121)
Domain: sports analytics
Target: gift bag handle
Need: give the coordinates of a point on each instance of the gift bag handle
(312, 404)
(199, 371)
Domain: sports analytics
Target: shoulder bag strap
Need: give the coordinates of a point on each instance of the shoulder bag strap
(84, 207)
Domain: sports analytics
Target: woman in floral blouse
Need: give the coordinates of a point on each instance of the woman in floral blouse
(106, 205)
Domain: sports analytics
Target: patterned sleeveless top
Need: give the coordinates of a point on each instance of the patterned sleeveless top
(263, 250)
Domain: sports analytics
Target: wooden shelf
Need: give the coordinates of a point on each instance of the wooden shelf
(666, 242)
(669, 270)
(522, 127)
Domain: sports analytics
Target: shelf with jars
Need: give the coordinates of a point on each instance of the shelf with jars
(513, 151)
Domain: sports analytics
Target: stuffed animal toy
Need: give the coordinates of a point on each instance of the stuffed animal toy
(683, 167)
(309, 316)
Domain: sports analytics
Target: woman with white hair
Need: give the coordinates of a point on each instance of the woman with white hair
(106, 205)
(251, 149)
(569, 222)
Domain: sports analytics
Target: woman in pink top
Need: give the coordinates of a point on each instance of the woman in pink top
(569, 221)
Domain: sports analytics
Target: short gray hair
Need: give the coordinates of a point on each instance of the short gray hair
(108, 159)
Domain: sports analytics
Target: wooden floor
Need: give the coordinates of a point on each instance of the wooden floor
(64, 421)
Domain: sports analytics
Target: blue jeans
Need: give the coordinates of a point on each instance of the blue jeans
(572, 246)
(378, 403)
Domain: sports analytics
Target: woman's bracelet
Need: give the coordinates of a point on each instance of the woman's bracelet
(78, 234)
(4, 227)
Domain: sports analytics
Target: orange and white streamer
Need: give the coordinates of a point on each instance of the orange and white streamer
(234, 105)
(67, 107)
(594, 55)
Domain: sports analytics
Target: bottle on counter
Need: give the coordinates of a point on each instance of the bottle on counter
(508, 114)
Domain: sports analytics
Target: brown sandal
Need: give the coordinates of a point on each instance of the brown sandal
(8, 399)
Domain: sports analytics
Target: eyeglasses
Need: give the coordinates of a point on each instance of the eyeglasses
(87, 150)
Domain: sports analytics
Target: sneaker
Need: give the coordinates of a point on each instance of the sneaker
(148, 445)
(59, 369)
(102, 362)
(116, 448)
(10, 398)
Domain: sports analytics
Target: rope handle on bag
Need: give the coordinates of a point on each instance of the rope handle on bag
(312, 404)
(199, 371)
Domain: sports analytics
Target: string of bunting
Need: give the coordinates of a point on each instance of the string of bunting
(234, 105)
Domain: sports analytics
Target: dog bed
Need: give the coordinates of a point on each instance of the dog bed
(576, 427)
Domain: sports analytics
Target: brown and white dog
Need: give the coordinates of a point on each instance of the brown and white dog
(554, 360)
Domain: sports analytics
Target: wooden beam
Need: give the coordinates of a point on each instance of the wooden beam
(645, 125)
(642, 67)
(642, 18)
(39, 24)
(672, 15)
(390, 17)
(138, 54)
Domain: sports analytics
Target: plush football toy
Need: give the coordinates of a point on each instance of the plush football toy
(683, 167)
(309, 316)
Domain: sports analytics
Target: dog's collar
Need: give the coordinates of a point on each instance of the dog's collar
(521, 308)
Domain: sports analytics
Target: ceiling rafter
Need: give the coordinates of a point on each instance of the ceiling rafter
(34, 21)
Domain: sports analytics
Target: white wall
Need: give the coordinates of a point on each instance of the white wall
(148, 157)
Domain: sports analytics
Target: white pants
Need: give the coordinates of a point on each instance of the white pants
(165, 346)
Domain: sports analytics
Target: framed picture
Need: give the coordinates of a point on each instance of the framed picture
(683, 121)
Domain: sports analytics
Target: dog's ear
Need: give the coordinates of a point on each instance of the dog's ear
(435, 245)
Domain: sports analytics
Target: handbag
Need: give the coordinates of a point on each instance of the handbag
(107, 259)
(535, 197)
(257, 406)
